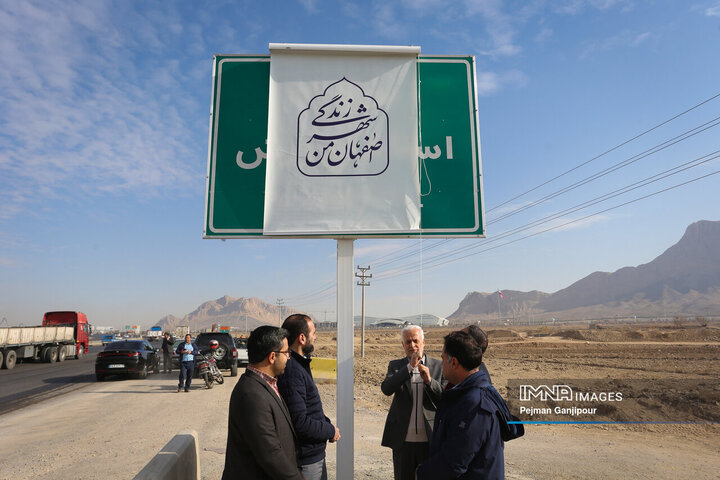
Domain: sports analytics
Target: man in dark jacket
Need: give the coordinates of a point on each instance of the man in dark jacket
(261, 438)
(416, 381)
(466, 441)
(167, 352)
(298, 389)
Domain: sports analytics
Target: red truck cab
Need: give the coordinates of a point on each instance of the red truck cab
(78, 320)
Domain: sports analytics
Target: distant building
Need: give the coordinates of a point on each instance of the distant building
(427, 319)
(387, 323)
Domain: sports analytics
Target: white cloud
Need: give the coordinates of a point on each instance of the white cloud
(622, 40)
(713, 11)
(492, 82)
(310, 6)
(380, 16)
(79, 117)
(500, 27)
(508, 208)
(574, 7)
(544, 34)
(567, 223)
(641, 38)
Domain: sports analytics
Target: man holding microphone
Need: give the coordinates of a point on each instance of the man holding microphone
(416, 381)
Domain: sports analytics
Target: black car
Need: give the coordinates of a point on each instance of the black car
(127, 357)
(226, 353)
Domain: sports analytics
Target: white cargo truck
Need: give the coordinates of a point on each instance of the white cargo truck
(63, 334)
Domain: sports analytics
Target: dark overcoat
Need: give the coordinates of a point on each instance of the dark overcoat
(397, 382)
(261, 438)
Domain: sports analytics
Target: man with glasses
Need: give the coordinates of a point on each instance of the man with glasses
(261, 438)
(298, 389)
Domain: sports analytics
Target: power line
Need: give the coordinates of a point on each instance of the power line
(613, 194)
(675, 170)
(595, 176)
(655, 149)
(606, 152)
(620, 191)
(410, 254)
(426, 266)
(312, 293)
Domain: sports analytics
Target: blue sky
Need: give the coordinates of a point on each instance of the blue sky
(103, 149)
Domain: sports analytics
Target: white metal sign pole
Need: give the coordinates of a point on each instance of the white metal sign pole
(345, 352)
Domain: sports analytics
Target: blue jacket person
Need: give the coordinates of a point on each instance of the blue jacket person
(467, 440)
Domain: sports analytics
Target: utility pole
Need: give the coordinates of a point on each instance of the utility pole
(280, 303)
(363, 284)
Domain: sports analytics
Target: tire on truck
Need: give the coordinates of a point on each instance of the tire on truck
(62, 353)
(10, 359)
(50, 355)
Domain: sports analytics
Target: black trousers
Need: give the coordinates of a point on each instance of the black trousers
(407, 458)
(167, 362)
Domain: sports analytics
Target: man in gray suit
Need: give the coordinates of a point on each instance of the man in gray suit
(416, 381)
(261, 438)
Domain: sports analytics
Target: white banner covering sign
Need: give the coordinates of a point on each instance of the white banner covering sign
(342, 141)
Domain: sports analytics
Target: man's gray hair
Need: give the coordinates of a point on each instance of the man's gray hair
(410, 327)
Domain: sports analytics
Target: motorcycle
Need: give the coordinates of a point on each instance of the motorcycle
(209, 371)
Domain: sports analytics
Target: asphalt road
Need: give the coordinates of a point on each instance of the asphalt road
(30, 382)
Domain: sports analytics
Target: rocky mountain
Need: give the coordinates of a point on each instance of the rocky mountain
(685, 279)
(476, 303)
(243, 313)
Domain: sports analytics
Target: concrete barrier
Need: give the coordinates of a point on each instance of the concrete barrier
(324, 370)
(178, 460)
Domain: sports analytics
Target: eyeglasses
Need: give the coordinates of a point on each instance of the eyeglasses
(286, 352)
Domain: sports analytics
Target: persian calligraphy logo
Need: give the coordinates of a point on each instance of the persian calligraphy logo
(343, 132)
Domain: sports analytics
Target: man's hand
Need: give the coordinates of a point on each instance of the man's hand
(424, 373)
(414, 360)
(337, 436)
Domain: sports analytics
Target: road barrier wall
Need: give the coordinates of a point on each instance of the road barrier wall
(178, 460)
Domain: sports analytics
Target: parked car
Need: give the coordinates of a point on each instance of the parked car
(226, 354)
(127, 357)
(242, 357)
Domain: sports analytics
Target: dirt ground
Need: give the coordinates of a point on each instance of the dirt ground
(112, 429)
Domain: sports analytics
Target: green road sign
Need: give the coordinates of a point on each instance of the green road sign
(448, 155)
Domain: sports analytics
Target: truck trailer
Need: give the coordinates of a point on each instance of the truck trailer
(62, 335)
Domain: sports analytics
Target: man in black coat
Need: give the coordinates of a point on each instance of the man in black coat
(301, 396)
(261, 438)
(416, 381)
(167, 352)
